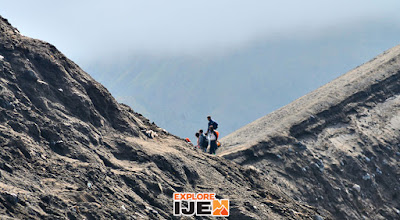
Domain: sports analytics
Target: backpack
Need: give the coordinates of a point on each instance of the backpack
(215, 125)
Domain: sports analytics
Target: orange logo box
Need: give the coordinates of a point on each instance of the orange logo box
(221, 207)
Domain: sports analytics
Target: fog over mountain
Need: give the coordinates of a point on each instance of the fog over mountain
(177, 62)
(71, 149)
(91, 29)
(238, 87)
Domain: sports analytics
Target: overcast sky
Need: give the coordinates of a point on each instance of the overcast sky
(83, 29)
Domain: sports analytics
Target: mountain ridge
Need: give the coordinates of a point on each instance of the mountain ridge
(331, 99)
(337, 147)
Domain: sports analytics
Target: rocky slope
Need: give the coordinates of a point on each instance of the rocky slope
(70, 151)
(337, 148)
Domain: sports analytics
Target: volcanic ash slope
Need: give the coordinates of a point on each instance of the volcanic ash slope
(337, 148)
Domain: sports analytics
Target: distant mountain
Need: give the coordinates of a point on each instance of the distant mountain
(237, 87)
(336, 148)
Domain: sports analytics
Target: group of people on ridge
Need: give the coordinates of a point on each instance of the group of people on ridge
(210, 138)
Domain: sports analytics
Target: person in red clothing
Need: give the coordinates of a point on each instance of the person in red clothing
(188, 141)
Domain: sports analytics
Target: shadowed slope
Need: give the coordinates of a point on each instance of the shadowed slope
(338, 146)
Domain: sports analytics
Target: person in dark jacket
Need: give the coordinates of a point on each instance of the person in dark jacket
(203, 142)
(212, 123)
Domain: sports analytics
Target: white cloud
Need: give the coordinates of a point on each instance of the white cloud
(82, 28)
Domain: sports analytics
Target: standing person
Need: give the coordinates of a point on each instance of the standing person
(212, 123)
(203, 142)
(198, 140)
(212, 138)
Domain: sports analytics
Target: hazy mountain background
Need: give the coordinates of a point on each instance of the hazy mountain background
(239, 86)
(177, 61)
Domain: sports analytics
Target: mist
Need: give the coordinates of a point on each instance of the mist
(86, 29)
